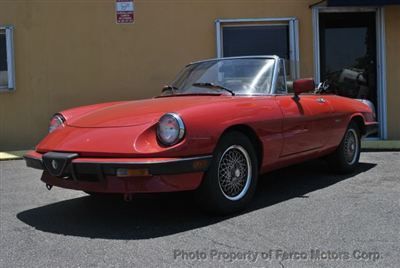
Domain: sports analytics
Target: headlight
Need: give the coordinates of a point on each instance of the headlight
(170, 129)
(56, 122)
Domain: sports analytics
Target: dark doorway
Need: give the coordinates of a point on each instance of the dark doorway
(348, 53)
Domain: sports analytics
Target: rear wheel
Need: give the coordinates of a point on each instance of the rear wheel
(230, 182)
(345, 158)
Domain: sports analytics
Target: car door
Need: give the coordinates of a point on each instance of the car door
(306, 119)
(322, 117)
(306, 122)
(297, 125)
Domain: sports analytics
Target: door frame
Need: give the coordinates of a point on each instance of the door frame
(292, 22)
(380, 55)
(9, 33)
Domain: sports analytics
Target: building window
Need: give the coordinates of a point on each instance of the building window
(256, 40)
(6, 59)
(264, 36)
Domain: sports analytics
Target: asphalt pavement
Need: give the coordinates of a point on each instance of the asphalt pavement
(302, 216)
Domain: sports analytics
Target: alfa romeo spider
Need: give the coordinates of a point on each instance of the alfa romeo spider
(212, 131)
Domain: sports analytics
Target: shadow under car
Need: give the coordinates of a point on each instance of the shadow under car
(159, 215)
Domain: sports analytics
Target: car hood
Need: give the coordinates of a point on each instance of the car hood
(134, 113)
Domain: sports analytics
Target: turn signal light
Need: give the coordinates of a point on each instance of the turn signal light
(200, 164)
(126, 172)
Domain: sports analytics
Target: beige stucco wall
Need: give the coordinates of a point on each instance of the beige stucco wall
(70, 53)
(392, 22)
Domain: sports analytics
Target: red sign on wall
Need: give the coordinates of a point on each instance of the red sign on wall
(125, 11)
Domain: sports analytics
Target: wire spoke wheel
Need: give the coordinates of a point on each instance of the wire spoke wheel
(230, 182)
(234, 172)
(351, 146)
(346, 157)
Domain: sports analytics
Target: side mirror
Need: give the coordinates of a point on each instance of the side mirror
(303, 85)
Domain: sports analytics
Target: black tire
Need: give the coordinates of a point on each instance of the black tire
(230, 182)
(345, 158)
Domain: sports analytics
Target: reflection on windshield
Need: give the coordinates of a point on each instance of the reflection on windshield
(268, 66)
(242, 76)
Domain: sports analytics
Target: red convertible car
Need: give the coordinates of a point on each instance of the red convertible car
(220, 124)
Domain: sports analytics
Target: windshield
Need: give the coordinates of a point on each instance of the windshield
(237, 76)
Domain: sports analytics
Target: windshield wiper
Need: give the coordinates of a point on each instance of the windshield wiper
(170, 87)
(212, 85)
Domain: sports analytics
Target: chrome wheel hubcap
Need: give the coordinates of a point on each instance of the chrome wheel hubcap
(234, 172)
(351, 146)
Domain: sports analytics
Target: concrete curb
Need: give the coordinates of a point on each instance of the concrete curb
(393, 145)
(12, 155)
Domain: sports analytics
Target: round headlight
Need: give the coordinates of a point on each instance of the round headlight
(56, 122)
(170, 129)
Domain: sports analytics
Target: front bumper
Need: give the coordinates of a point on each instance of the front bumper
(119, 175)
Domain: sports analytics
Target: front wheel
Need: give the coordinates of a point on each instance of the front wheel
(345, 158)
(230, 182)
